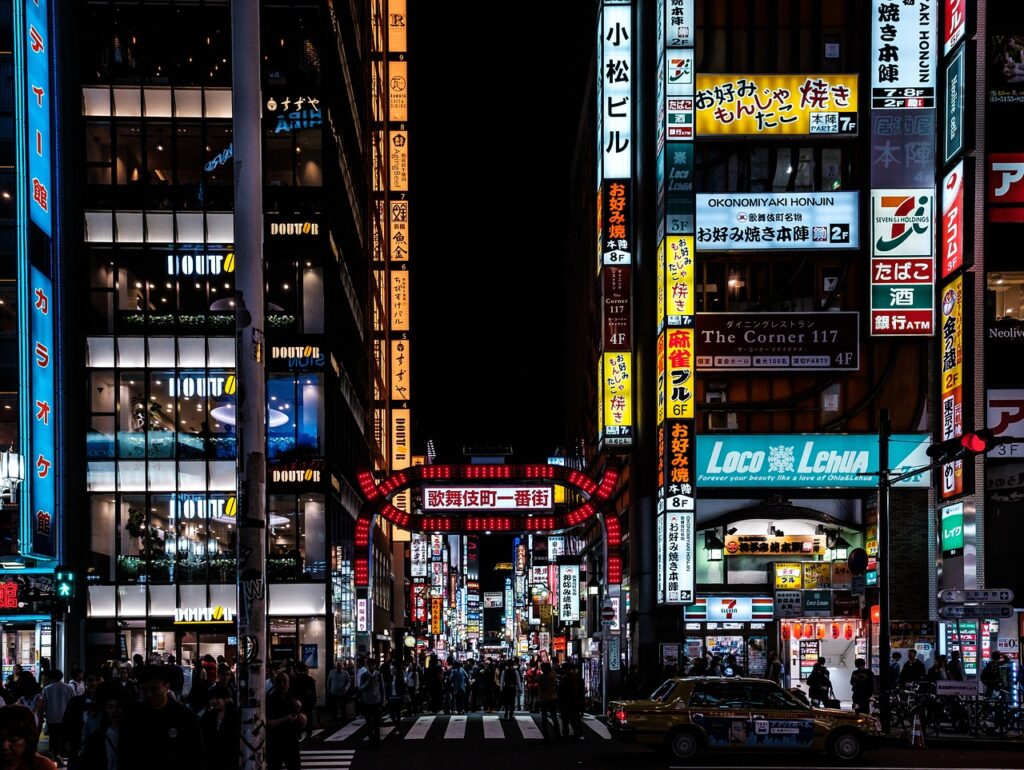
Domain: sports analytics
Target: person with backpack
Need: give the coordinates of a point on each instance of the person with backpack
(819, 684)
(862, 685)
(371, 693)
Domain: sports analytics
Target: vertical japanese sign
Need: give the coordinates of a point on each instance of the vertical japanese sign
(37, 66)
(42, 454)
(676, 269)
(951, 374)
(903, 55)
(903, 73)
(569, 593)
(418, 555)
(614, 231)
(436, 613)
(954, 24)
(953, 222)
(953, 144)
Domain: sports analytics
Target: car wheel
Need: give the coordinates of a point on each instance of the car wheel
(683, 745)
(846, 746)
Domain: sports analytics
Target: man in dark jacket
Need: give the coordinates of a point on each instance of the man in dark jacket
(81, 717)
(862, 685)
(913, 670)
(570, 701)
(167, 735)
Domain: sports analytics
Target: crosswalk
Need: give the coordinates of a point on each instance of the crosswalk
(430, 727)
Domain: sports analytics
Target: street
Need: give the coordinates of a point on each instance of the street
(485, 742)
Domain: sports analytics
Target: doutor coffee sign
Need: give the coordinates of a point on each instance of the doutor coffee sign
(778, 341)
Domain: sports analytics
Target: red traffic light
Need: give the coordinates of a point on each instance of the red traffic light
(967, 445)
(976, 442)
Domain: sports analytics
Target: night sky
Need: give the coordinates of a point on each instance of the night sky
(495, 97)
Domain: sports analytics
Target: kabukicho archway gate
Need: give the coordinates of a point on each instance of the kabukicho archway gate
(592, 494)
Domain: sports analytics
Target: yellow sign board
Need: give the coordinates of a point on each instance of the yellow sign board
(398, 216)
(398, 91)
(397, 28)
(788, 575)
(678, 281)
(952, 329)
(398, 160)
(817, 574)
(679, 379)
(401, 377)
(757, 105)
(399, 300)
(617, 385)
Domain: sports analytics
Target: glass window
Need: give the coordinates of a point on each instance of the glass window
(102, 535)
(188, 103)
(768, 697)
(218, 102)
(312, 300)
(99, 351)
(723, 695)
(295, 415)
(99, 152)
(159, 154)
(1006, 294)
(129, 153)
(135, 541)
(96, 102)
(99, 226)
(158, 102)
(128, 102)
(133, 415)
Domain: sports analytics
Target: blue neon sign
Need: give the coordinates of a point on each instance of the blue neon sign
(37, 69)
(42, 450)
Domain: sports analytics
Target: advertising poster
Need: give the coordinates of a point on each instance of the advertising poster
(616, 315)
(758, 105)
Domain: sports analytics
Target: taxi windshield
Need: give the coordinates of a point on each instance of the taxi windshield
(663, 693)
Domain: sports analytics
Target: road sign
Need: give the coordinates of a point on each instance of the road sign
(980, 611)
(607, 613)
(997, 595)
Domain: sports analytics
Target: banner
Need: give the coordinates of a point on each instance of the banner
(778, 341)
(758, 105)
(760, 222)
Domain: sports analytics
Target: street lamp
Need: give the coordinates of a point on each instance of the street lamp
(713, 545)
(12, 473)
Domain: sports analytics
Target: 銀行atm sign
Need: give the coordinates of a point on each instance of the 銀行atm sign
(37, 76)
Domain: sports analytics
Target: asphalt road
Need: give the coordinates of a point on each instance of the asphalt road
(479, 743)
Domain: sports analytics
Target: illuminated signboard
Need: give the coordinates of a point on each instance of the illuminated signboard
(615, 218)
(806, 460)
(678, 21)
(398, 91)
(400, 375)
(903, 55)
(954, 127)
(200, 264)
(817, 574)
(41, 466)
(36, 42)
(742, 609)
(902, 274)
(951, 521)
(954, 23)
(361, 615)
(778, 341)
(676, 487)
(418, 555)
(952, 247)
(788, 575)
(1005, 185)
(399, 301)
(487, 498)
(218, 614)
(290, 113)
(951, 378)
(569, 593)
(675, 295)
(397, 26)
(617, 398)
(617, 70)
(493, 600)
(676, 574)
(398, 156)
(436, 546)
(398, 215)
(202, 507)
(679, 374)
(292, 228)
(751, 221)
(616, 318)
(300, 355)
(757, 105)
(298, 472)
(400, 439)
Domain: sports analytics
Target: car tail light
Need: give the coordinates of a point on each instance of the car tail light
(620, 716)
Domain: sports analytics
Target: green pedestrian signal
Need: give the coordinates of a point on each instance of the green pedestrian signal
(64, 582)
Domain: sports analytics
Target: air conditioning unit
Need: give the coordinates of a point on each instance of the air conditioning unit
(723, 421)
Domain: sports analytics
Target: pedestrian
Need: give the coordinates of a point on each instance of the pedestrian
(19, 740)
(56, 696)
(894, 670)
(956, 667)
(167, 735)
(938, 672)
(219, 727)
(532, 682)
(434, 678)
(372, 694)
(177, 676)
(361, 672)
(412, 686)
(913, 670)
(338, 683)
(109, 745)
(82, 716)
(991, 676)
(731, 666)
(569, 700)
(198, 697)
(304, 687)
(819, 684)
(394, 686)
(862, 685)
(547, 698)
(459, 683)
(285, 723)
(77, 680)
(774, 672)
(510, 683)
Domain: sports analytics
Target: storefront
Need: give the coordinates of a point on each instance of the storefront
(730, 625)
(27, 631)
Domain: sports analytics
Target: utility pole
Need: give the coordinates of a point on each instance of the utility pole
(250, 409)
(884, 430)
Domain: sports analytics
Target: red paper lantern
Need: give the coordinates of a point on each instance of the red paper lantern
(847, 631)
(808, 630)
(821, 630)
(835, 630)
(797, 631)
(785, 632)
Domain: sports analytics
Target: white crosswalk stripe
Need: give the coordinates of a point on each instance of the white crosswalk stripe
(456, 728)
(492, 727)
(528, 727)
(419, 730)
(311, 735)
(597, 726)
(350, 729)
(340, 759)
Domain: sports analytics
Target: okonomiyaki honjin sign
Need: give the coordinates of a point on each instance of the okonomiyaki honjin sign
(751, 221)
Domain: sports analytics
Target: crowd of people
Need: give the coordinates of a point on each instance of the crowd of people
(429, 685)
(151, 714)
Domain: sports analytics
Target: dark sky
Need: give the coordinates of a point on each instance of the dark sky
(496, 91)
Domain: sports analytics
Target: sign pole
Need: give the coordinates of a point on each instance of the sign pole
(246, 108)
(884, 644)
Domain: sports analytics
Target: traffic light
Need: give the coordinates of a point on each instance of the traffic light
(64, 583)
(967, 445)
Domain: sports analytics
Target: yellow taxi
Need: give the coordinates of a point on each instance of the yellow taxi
(691, 715)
